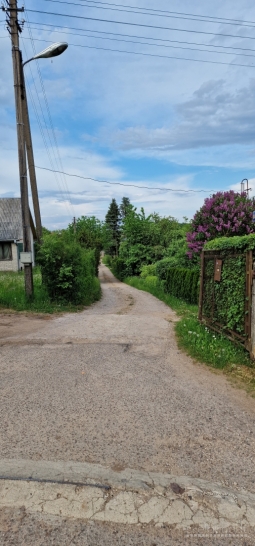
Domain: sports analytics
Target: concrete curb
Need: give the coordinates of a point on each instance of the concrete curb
(135, 497)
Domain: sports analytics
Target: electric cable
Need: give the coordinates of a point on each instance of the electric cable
(140, 37)
(147, 12)
(220, 19)
(128, 185)
(139, 24)
(50, 120)
(36, 113)
(40, 124)
(152, 54)
(147, 43)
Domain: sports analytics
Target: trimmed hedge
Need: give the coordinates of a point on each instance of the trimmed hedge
(238, 243)
(183, 283)
(229, 296)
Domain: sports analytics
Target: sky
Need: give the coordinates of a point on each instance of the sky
(133, 101)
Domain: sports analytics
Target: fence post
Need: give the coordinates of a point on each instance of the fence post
(252, 333)
(201, 290)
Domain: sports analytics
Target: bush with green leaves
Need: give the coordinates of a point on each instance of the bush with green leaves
(119, 268)
(152, 281)
(148, 270)
(68, 270)
(107, 260)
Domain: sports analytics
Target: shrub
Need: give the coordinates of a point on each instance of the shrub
(151, 281)
(183, 283)
(68, 270)
(119, 268)
(107, 260)
(147, 270)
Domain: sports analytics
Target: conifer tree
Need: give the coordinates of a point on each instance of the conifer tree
(124, 207)
(112, 221)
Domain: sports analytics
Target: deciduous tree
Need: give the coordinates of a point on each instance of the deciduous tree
(223, 214)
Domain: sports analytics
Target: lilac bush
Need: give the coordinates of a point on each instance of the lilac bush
(224, 214)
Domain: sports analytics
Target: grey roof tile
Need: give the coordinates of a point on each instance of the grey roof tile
(10, 219)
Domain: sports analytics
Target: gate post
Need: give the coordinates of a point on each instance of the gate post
(248, 302)
(252, 347)
(201, 291)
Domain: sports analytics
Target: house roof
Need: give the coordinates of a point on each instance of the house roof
(11, 219)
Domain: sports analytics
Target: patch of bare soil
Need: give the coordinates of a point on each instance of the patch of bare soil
(15, 324)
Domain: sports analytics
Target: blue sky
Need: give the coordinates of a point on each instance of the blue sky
(130, 118)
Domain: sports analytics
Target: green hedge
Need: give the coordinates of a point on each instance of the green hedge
(237, 243)
(183, 283)
(228, 295)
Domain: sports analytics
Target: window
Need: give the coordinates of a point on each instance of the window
(5, 251)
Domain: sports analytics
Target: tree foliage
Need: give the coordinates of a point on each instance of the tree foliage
(223, 214)
(125, 207)
(90, 233)
(112, 222)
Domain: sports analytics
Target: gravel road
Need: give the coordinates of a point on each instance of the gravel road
(110, 386)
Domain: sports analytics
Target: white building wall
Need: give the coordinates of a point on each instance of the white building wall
(11, 265)
(15, 264)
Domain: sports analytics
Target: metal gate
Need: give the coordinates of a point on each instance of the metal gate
(211, 308)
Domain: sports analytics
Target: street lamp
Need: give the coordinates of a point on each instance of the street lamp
(25, 150)
(247, 187)
(51, 51)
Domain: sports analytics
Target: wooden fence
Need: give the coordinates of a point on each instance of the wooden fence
(211, 310)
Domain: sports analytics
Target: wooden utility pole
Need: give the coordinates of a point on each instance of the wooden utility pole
(18, 85)
(30, 160)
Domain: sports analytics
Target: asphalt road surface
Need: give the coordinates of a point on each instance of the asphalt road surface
(109, 387)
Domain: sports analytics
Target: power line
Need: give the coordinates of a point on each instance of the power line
(140, 37)
(146, 11)
(167, 11)
(147, 43)
(128, 185)
(50, 120)
(152, 54)
(140, 24)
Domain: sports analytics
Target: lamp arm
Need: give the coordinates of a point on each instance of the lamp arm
(28, 61)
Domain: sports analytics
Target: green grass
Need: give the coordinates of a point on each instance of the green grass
(12, 295)
(197, 340)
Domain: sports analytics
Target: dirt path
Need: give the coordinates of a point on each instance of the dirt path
(109, 387)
